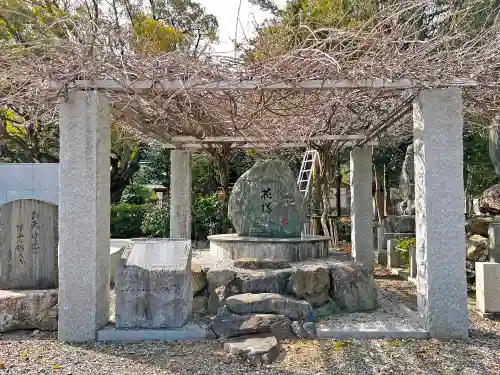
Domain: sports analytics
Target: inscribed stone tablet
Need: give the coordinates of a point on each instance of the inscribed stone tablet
(28, 245)
(153, 284)
(266, 202)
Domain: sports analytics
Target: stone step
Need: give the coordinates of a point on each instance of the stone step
(227, 325)
(270, 303)
(258, 349)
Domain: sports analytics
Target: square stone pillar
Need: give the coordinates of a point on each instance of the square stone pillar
(439, 213)
(362, 206)
(180, 194)
(488, 287)
(84, 201)
(494, 242)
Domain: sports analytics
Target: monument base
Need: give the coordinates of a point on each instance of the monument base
(233, 246)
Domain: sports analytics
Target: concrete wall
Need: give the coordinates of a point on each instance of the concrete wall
(30, 180)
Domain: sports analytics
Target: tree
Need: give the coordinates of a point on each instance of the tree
(30, 133)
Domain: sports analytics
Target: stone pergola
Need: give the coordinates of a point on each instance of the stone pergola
(439, 195)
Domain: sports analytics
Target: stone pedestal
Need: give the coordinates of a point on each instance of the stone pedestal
(180, 194)
(488, 287)
(84, 200)
(439, 205)
(233, 247)
(494, 242)
(361, 206)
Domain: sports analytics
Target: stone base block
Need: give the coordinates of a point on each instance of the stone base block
(488, 287)
(28, 309)
(232, 247)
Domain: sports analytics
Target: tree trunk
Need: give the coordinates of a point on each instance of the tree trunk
(122, 171)
(222, 165)
(337, 188)
(387, 193)
(316, 199)
(378, 195)
(326, 164)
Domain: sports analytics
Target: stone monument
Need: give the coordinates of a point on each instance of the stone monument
(266, 209)
(28, 265)
(28, 245)
(153, 284)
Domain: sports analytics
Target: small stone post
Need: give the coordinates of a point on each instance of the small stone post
(180, 194)
(439, 216)
(84, 201)
(488, 287)
(413, 261)
(393, 256)
(361, 206)
(494, 242)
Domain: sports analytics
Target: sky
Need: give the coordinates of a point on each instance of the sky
(226, 12)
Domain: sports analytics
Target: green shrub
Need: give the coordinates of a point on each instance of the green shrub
(156, 221)
(126, 220)
(206, 215)
(403, 248)
(137, 194)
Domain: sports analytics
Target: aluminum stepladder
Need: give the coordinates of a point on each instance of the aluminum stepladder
(305, 176)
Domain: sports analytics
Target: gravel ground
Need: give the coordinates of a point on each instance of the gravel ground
(40, 353)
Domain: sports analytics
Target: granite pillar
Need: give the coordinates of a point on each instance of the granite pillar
(361, 206)
(180, 194)
(439, 197)
(84, 201)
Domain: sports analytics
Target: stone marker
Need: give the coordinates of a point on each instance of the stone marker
(28, 309)
(413, 261)
(153, 284)
(393, 256)
(494, 242)
(488, 287)
(28, 245)
(266, 202)
(258, 349)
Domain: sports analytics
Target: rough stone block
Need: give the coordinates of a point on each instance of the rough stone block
(270, 281)
(153, 284)
(310, 282)
(353, 287)
(256, 264)
(199, 281)
(488, 287)
(219, 276)
(227, 325)
(258, 349)
(270, 303)
(28, 245)
(28, 309)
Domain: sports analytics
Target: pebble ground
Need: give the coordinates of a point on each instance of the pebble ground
(39, 353)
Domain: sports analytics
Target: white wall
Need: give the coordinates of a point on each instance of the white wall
(37, 180)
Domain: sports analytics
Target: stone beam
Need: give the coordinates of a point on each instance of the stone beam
(439, 212)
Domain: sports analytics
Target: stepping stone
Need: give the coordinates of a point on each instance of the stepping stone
(227, 325)
(270, 303)
(257, 349)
